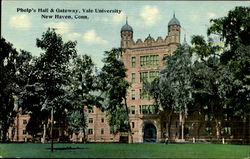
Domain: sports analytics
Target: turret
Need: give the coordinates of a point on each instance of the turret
(174, 30)
(126, 35)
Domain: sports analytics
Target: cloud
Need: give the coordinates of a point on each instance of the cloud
(150, 15)
(61, 27)
(73, 36)
(91, 37)
(21, 22)
(115, 19)
(211, 15)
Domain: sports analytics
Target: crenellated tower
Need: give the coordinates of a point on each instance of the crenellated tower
(174, 30)
(126, 35)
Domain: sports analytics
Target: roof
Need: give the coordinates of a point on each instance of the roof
(174, 21)
(126, 27)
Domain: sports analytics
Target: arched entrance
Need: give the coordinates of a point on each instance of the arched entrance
(150, 133)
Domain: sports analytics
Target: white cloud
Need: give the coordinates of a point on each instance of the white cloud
(211, 15)
(61, 27)
(21, 22)
(115, 19)
(91, 37)
(150, 15)
(73, 36)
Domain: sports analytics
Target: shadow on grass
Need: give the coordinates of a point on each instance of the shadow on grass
(67, 148)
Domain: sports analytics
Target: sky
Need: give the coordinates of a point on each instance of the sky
(22, 22)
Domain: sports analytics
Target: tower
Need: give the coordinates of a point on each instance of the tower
(126, 35)
(174, 30)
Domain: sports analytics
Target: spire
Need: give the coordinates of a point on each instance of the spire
(126, 27)
(174, 21)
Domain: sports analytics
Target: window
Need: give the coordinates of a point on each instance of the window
(154, 60)
(153, 75)
(24, 132)
(225, 117)
(133, 63)
(132, 109)
(148, 109)
(111, 131)
(143, 76)
(91, 110)
(133, 94)
(133, 124)
(227, 130)
(149, 60)
(208, 130)
(102, 131)
(148, 76)
(102, 120)
(90, 131)
(144, 94)
(132, 77)
(24, 121)
(143, 60)
(90, 120)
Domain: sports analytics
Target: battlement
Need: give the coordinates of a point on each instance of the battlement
(150, 41)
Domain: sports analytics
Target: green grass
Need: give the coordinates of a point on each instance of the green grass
(109, 150)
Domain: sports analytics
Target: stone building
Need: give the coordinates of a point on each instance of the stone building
(143, 60)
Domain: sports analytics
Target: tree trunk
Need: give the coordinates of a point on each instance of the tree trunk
(84, 137)
(4, 131)
(51, 131)
(169, 124)
(129, 126)
(182, 126)
(218, 128)
(44, 132)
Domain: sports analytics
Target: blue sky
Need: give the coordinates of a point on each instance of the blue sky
(101, 31)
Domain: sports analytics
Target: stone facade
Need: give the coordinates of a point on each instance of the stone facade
(17, 132)
(98, 129)
(143, 60)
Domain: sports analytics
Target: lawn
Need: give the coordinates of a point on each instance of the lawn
(109, 150)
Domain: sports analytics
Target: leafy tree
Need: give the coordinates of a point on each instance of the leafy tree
(28, 91)
(52, 76)
(83, 92)
(234, 29)
(172, 89)
(8, 56)
(212, 81)
(114, 87)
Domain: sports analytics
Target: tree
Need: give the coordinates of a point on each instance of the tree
(8, 56)
(83, 89)
(172, 89)
(52, 73)
(28, 91)
(212, 81)
(114, 87)
(234, 29)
